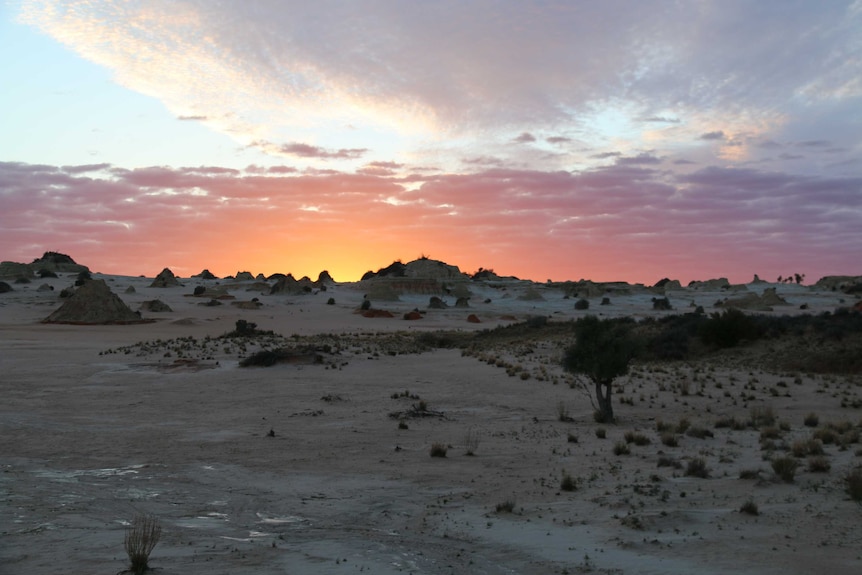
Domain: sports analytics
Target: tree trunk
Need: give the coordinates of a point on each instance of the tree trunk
(603, 395)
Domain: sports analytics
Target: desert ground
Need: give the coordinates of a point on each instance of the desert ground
(325, 467)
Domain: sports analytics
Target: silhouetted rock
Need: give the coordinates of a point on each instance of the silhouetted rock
(324, 278)
(165, 279)
(57, 263)
(243, 276)
(473, 318)
(292, 286)
(713, 284)
(205, 275)
(5, 288)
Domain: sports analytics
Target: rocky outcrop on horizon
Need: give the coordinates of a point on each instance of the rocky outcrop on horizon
(292, 286)
(205, 275)
(846, 284)
(165, 279)
(50, 262)
(713, 284)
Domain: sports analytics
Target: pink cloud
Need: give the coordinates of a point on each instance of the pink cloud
(622, 222)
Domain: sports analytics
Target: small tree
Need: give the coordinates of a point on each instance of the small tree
(602, 351)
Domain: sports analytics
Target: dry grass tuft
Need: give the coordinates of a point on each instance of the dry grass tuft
(142, 535)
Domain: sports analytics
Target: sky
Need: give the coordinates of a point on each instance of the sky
(619, 140)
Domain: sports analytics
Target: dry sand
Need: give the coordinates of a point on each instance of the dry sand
(95, 428)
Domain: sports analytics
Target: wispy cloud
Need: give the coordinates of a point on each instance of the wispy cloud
(292, 70)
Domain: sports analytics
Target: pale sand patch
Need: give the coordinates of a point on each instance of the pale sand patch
(88, 440)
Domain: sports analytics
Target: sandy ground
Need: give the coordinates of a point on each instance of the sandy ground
(303, 469)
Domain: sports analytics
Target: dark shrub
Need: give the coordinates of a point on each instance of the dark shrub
(582, 304)
(785, 468)
(728, 328)
(661, 303)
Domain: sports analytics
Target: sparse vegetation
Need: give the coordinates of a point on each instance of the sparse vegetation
(636, 438)
(853, 484)
(471, 441)
(811, 420)
(438, 450)
(142, 535)
(696, 467)
(785, 468)
(749, 508)
(819, 464)
(567, 483)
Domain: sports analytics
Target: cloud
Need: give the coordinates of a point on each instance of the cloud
(308, 151)
(524, 138)
(641, 159)
(605, 155)
(716, 135)
(662, 120)
(192, 118)
(85, 168)
(623, 221)
(290, 70)
(558, 140)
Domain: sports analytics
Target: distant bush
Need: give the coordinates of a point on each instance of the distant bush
(582, 304)
(661, 304)
(728, 329)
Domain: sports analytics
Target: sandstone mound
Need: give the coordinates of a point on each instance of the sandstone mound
(584, 289)
(244, 276)
(205, 275)
(156, 306)
(94, 303)
(165, 279)
(713, 284)
(324, 278)
(57, 263)
(423, 276)
(382, 291)
(754, 302)
(846, 284)
(292, 286)
(15, 270)
(423, 268)
(531, 294)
